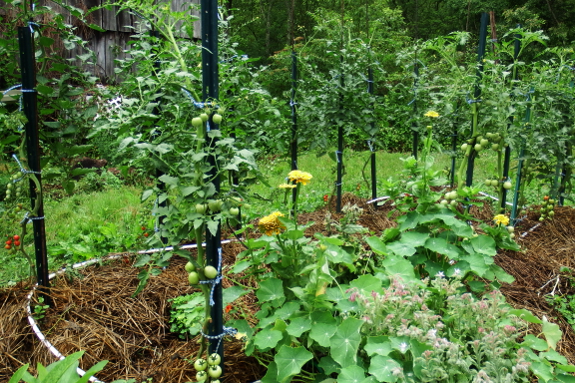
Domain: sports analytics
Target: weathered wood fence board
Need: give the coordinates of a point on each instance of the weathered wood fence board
(111, 44)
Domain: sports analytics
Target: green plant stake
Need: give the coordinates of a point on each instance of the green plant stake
(476, 95)
(513, 216)
(507, 159)
(30, 105)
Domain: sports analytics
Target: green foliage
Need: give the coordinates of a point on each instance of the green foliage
(62, 371)
(186, 315)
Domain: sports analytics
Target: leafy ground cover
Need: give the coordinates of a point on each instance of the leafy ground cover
(96, 312)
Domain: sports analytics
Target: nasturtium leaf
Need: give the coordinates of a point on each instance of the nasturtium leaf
(484, 244)
(351, 374)
(323, 326)
(345, 342)
(271, 374)
(542, 370)
(367, 283)
(554, 356)
(267, 339)
(298, 326)
(567, 368)
(441, 246)
(378, 345)
(271, 290)
(398, 266)
(377, 245)
(531, 341)
(459, 228)
(551, 332)
(476, 263)
(411, 220)
(337, 254)
(501, 274)
(414, 238)
(401, 248)
(381, 367)
(526, 315)
(290, 360)
(328, 365)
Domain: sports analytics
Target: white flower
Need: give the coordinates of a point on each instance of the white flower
(440, 274)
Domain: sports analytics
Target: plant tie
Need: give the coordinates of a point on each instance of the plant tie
(214, 282)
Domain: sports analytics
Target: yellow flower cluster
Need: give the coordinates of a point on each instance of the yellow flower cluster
(298, 176)
(270, 224)
(432, 114)
(500, 219)
(287, 186)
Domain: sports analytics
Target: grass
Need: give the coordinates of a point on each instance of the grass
(94, 223)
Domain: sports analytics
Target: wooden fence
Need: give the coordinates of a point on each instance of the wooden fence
(118, 28)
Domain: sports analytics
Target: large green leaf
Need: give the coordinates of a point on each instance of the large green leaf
(353, 374)
(551, 332)
(323, 326)
(377, 245)
(404, 249)
(378, 345)
(367, 283)
(267, 339)
(272, 291)
(484, 244)
(345, 342)
(398, 266)
(290, 360)
(381, 367)
(298, 326)
(441, 246)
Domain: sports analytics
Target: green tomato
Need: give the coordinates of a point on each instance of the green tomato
(488, 182)
(494, 182)
(483, 143)
(234, 211)
(478, 147)
(193, 278)
(201, 376)
(510, 229)
(217, 118)
(210, 272)
(495, 147)
(204, 117)
(507, 185)
(551, 213)
(197, 122)
(201, 208)
(190, 267)
(200, 365)
(444, 202)
(215, 206)
(464, 147)
(214, 359)
(454, 203)
(215, 372)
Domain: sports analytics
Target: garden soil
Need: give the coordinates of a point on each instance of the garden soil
(94, 310)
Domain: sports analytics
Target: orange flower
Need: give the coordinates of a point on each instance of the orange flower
(228, 308)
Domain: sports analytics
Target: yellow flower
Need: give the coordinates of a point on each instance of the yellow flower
(287, 186)
(500, 219)
(432, 114)
(298, 176)
(270, 224)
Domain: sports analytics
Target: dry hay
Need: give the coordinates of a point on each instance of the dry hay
(547, 248)
(98, 314)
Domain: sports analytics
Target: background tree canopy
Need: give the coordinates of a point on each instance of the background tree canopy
(262, 27)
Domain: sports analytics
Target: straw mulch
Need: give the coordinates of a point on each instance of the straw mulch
(96, 313)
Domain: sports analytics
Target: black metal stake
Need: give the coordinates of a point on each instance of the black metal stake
(155, 134)
(414, 126)
(210, 92)
(513, 215)
(30, 105)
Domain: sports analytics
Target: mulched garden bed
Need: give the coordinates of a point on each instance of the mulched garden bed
(96, 312)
